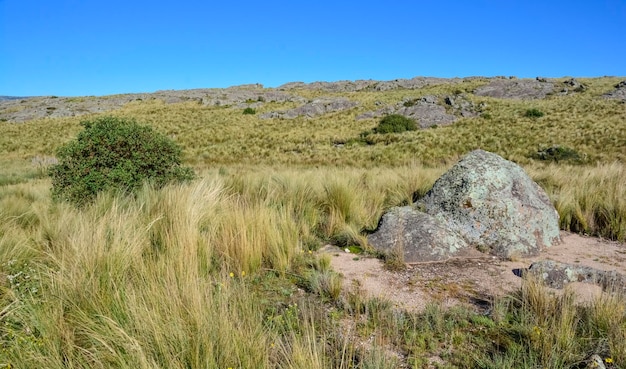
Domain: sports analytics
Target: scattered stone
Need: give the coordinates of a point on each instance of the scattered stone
(417, 235)
(556, 275)
(495, 206)
(516, 89)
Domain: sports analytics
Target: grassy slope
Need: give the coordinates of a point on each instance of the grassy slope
(223, 135)
(147, 283)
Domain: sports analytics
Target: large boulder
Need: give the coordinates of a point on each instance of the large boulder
(494, 205)
(418, 236)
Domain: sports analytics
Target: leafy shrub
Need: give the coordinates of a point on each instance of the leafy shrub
(249, 111)
(559, 153)
(114, 154)
(395, 123)
(533, 113)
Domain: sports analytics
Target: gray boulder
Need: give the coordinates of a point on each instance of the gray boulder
(556, 275)
(418, 236)
(494, 205)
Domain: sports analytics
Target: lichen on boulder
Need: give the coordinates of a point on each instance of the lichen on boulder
(495, 206)
(419, 237)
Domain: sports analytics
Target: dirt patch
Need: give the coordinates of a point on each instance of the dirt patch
(472, 280)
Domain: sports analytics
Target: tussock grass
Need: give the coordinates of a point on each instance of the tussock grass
(589, 200)
(181, 277)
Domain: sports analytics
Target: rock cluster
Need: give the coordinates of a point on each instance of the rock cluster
(619, 93)
(369, 85)
(426, 111)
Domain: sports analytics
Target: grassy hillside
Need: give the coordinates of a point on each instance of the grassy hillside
(223, 272)
(213, 136)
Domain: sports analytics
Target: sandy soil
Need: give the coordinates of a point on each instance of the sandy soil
(474, 280)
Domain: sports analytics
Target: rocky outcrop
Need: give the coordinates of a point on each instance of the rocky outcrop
(619, 93)
(313, 109)
(572, 85)
(556, 275)
(461, 106)
(516, 88)
(419, 237)
(369, 85)
(494, 205)
(21, 110)
(426, 111)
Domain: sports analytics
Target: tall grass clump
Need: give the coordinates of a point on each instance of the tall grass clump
(589, 199)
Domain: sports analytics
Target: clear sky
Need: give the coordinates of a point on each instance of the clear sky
(89, 47)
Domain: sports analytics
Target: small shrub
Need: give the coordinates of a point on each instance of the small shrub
(249, 111)
(410, 103)
(395, 123)
(114, 154)
(559, 153)
(533, 113)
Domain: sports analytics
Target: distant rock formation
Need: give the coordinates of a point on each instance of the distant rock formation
(516, 88)
(426, 111)
(313, 109)
(619, 93)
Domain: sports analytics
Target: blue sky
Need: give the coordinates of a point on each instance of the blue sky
(84, 47)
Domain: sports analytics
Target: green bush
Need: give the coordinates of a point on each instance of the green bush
(114, 154)
(249, 111)
(559, 153)
(395, 123)
(533, 113)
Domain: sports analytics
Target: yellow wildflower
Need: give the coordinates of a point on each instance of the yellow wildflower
(232, 274)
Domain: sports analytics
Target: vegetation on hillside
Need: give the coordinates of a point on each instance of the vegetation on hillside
(222, 271)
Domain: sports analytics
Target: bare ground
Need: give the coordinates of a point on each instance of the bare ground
(473, 280)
